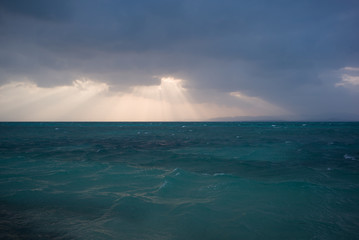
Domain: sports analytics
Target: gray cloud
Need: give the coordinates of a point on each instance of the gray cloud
(286, 52)
(38, 9)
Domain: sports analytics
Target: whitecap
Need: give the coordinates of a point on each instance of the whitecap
(219, 174)
(174, 170)
(163, 184)
(347, 156)
(213, 186)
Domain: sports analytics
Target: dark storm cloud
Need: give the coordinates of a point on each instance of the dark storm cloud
(281, 51)
(40, 9)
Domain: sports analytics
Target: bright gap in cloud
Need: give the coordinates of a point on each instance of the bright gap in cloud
(349, 77)
(88, 100)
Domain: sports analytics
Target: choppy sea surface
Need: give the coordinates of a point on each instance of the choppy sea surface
(202, 180)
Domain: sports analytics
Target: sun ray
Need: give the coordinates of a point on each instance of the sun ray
(88, 100)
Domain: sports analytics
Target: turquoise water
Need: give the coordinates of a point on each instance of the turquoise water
(270, 180)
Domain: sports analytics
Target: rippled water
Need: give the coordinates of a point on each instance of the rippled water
(179, 180)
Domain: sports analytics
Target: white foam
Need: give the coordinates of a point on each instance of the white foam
(214, 186)
(219, 174)
(174, 170)
(347, 156)
(163, 184)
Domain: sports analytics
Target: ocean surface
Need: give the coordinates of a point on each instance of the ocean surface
(201, 180)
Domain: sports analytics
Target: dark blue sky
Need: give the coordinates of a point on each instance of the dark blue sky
(302, 56)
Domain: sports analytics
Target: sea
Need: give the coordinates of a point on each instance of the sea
(179, 180)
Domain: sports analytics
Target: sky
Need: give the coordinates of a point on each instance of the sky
(179, 60)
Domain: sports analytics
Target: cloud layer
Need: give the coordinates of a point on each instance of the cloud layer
(87, 100)
(291, 54)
